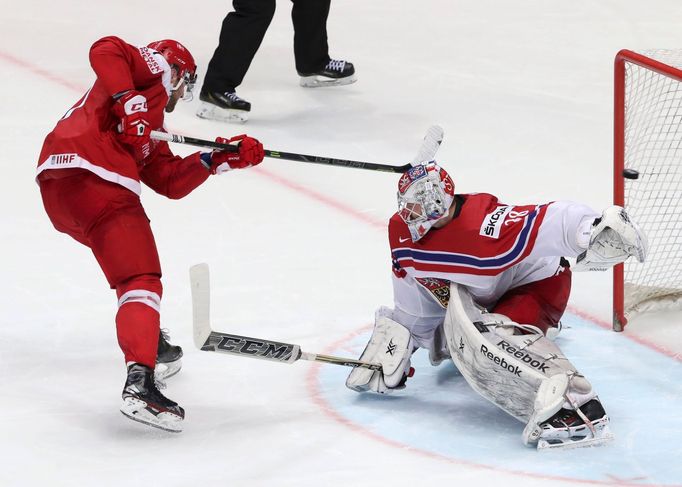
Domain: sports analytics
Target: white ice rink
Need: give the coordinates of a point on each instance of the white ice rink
(299, 253)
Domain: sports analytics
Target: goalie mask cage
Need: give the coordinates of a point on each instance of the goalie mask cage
(648, 139)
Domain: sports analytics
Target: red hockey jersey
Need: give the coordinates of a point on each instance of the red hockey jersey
(85, 137)
(485, 239)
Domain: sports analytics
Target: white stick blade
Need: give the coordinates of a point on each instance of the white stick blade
(432, 140)
(201, 303)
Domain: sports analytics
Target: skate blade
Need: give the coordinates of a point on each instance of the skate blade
(135, 409)
(163, 371)
(320, 81)
(211, 112)
(604, 436)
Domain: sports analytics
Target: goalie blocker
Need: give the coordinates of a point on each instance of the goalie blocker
(526, 375)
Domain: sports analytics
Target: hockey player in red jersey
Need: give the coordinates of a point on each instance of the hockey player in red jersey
(90, 172)
(510, 262)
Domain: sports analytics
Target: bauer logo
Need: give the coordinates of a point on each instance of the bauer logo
(514, 369)
(524, 357)
(492, 223)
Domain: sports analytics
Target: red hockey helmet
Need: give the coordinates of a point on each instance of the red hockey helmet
(181, 60)
(425, 194)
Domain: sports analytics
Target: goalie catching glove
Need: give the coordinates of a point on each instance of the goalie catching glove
(250, 153)
(613, 238)
(391, 346)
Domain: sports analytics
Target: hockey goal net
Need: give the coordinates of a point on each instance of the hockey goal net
(648, 145)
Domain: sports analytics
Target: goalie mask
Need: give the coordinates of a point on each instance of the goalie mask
(179, 59)
(425, 194)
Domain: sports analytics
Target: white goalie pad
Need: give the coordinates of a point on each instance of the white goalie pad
(526, 375)
(391, 346)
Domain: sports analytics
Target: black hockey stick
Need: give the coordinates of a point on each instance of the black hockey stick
(329, 161)
(214, 341)
(426, 152)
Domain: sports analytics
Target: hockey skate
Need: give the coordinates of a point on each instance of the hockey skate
(225, 107)
(572, 429)
(143, 402)
(168, 358)
(613, 239)
(335, 73)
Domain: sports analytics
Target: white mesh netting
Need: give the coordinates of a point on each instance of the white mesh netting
(653, 146)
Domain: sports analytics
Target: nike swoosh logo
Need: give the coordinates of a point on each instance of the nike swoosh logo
(401, 240)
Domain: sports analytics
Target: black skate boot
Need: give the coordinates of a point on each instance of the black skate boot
(568, 429)
(143, 402)
(224, 106)
(168, 357)
(335, 73)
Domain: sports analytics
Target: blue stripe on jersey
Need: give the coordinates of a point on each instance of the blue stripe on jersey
(470, 260)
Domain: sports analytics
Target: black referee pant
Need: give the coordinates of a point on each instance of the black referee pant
(243, 31)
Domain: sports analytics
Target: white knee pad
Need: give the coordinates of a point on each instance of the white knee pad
(612, 240)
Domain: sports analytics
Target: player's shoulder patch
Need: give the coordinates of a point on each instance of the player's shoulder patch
(150, 57)
(492, 223)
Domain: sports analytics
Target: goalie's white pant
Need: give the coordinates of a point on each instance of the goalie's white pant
(525, 375)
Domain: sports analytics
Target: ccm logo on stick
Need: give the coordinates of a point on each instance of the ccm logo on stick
(253, 347)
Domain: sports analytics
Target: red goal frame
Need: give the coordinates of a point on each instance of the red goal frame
(626, 56)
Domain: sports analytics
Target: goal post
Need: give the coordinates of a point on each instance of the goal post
(648, 146)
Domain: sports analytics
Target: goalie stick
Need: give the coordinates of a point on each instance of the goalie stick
(430, 145)
(215, 341)
(426, 152)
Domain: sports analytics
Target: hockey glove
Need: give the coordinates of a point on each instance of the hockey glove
(133, 127)
(250, 154)
(391, 345)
